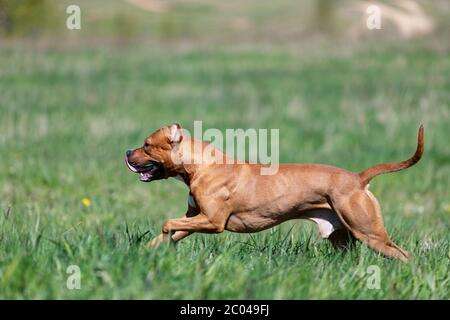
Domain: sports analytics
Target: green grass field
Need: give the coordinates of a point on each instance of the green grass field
(67, 118)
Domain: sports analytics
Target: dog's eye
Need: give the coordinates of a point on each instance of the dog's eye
(146, 145)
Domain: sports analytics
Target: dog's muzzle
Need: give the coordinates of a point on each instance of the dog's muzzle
(147, 172)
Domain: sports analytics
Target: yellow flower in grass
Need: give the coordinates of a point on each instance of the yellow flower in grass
(86, 202)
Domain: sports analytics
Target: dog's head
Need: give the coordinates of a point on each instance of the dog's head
(153, 161)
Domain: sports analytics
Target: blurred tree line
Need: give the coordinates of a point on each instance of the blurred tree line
(206, 20)
(25, 17)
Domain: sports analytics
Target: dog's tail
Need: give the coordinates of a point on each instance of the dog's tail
(368, 174)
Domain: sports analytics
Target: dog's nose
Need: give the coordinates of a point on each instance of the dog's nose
(129, 152)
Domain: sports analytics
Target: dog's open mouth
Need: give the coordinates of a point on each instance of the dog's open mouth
(147, 172)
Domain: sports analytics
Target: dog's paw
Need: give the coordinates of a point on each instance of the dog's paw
(156, 242)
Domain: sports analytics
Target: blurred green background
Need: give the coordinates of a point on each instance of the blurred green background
(72, 102)
(192, 23)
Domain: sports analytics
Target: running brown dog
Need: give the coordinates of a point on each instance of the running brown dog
(236, 197)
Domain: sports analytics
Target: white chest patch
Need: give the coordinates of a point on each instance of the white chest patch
(191, 201)
(327, 221)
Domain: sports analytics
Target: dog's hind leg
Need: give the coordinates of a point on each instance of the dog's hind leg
(341, 239)
(330, 226)
(361, 214)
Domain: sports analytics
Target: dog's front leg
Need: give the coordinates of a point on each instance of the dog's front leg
(198, 223)
(177, 229)
(175, 237)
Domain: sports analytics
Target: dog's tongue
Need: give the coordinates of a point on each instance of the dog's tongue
(145, 176)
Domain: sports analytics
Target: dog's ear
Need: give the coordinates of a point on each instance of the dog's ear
(176, 134)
